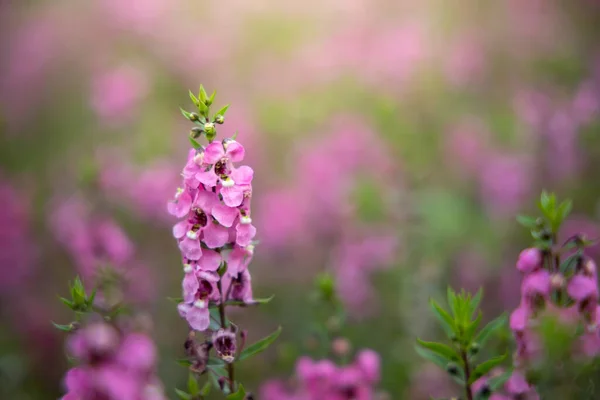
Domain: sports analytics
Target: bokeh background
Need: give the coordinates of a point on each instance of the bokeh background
(393, 143)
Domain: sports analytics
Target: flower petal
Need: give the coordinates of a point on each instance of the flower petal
(232, 196)
(208, 178)
(198, 318)
(215, 236)
(235, 151)
(224, 214)
(180, 229)
(245, 234)
(190, 248)
(242, 175)
(210, 260)
(213, 153)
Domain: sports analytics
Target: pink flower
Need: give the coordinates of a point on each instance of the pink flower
(116, 93)
(529, 260)
(535, 289)
(197, 297)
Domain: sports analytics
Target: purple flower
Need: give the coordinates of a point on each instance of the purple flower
(195, 308)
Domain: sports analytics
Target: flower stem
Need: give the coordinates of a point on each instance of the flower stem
(230, 366)
(468, 391)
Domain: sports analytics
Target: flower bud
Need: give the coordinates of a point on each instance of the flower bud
(474, 348)
(529, 260)
(340, 346)
(196, 132)
(209, 128)
(219, 119)
(194, 117)
(557, 281)
(452, 368)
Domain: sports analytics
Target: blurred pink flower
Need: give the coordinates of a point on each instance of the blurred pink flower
(17, 244)
(138, 16)
(142, 189)
(466, 146)
(116, 93)
(30, 54)
(466, 62)
(505, 183)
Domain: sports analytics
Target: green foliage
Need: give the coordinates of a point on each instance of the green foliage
(80, 302)
(240, 394)
(259, 346)
(461, 324)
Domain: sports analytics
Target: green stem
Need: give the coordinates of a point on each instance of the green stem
(230, 366)
(468, 391)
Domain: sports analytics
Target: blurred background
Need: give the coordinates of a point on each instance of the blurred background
(393, 143)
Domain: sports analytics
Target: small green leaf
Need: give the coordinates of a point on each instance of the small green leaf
(205, 391)
(222, 111)
(183, 395)
(176, 300)
(452, 302)
(527, 221)
(194, 143)
(498, 382)
(239, 395)
(475, 301)
(486, 367)
(441, 349)
(445, 319)
(90, 300)
(202, 94)
(186, 114)
(194, 98)
(68, 303)
(440, 362)
(216, 373)
(259, 346)
(193, 386)
(254, 302)
(184, 362)
(203, 109)
(471, 329)
(65, 328)
(489, 329)
(565, 208)
(211, 99)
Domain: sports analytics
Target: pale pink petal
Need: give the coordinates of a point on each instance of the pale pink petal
(208, 178)
(190, 248)
(245, 234)
(235, 151)
(225, 215)
(215, 236)
(213, 153)
(237, 260)
(180, 207)
(190, 286)
(210, 261)
(198, 318)
(137, 352)
(232, 196)
(242, 175)
(206, 200)
(183, 309)
(180, 229)
(209, 276)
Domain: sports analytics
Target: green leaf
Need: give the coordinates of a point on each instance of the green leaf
(78, 292)
(186, 114)
(445, 319)
(176, 300)
(90, 300)
(184, 362)
(486, 367)
(205, 391)
(471, 329)
(215, 319)
(452, 301)
(194, 98)
(565, 208)
(497, 382)
(216, 373)
(475, 301)
(489, 329)
(239, 395)
(222, 111)
(183, 395)
(193, 386)
(441, 349)
(440, 362)
(194, 143)
(202, 94)
(259, 346)
(65, 328)
(68, 303)
(527, 221)
(211, 99)
(255, 302)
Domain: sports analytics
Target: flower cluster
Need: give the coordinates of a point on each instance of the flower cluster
(572, 299)
(325, 380)
(113, 364)
(216, 232)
